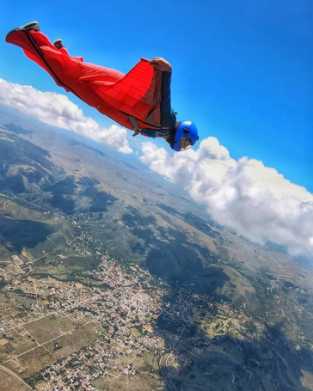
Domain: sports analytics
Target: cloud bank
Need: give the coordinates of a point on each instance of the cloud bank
(256, 201)
(57, 110)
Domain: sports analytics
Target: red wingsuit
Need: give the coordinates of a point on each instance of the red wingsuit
(122, 97)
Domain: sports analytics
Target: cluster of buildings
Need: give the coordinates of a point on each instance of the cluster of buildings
(124, 303)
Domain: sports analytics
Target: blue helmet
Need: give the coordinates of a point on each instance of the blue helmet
(186, 134)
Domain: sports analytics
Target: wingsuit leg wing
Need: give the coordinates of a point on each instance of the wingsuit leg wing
(65, 69)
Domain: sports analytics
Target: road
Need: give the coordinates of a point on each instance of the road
(15, 376)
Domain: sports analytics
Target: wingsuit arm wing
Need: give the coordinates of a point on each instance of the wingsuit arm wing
(137, 94)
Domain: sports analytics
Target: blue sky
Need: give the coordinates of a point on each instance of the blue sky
(243, 70)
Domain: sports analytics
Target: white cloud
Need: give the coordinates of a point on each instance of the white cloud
(57, 110)
(254, 200)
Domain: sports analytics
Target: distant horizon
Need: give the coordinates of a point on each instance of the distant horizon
(133, 156)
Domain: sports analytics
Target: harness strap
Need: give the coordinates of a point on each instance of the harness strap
(135, 126)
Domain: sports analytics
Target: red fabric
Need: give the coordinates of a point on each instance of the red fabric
(113, 93)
